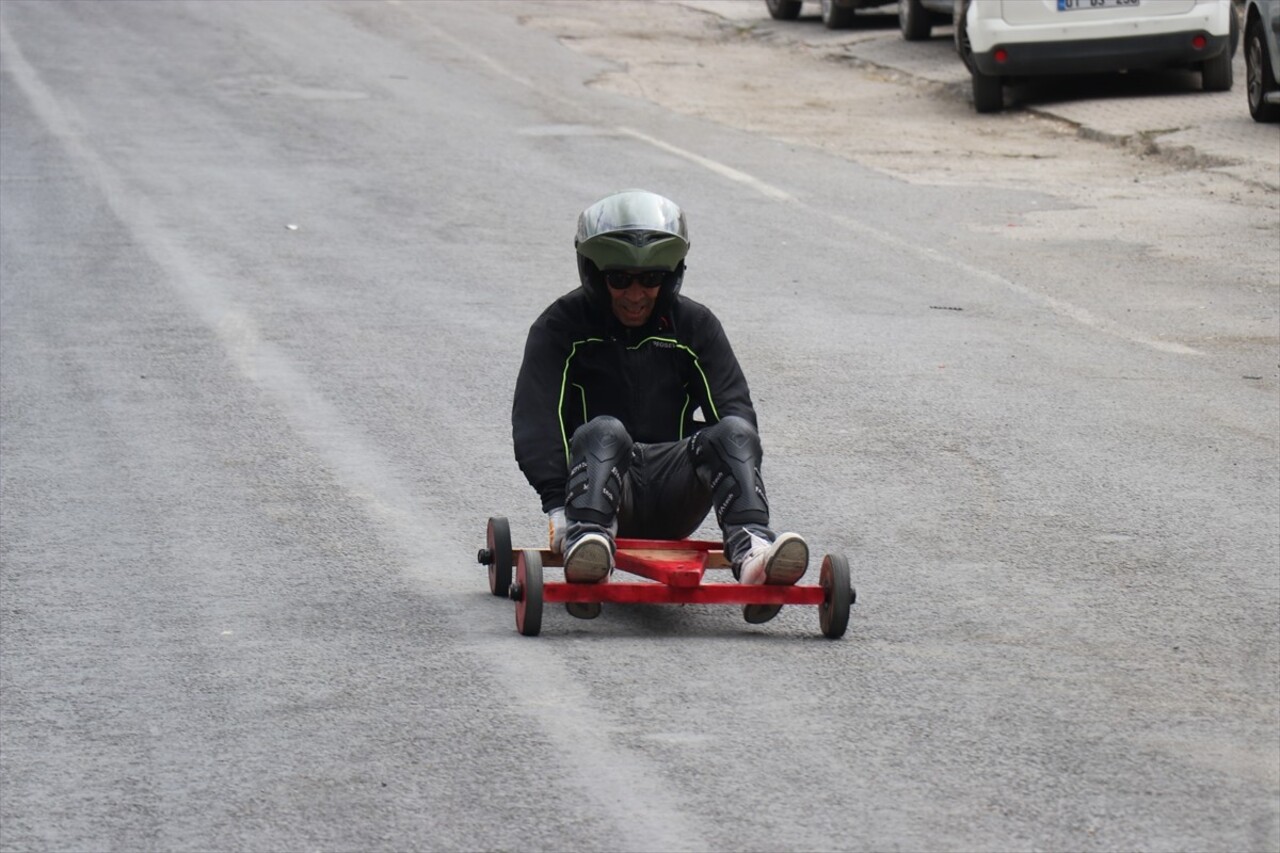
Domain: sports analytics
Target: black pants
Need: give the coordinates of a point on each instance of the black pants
(662, 495)
(664, 490)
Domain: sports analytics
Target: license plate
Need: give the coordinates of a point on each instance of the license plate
(1079, 5)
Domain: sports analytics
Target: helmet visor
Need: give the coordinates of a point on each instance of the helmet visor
(634, 229)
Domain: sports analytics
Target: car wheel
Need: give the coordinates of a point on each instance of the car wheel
(783, 10)
(988, 93)
(915, 20)
(963, 48)
(836, 17)
(1216, 74)
(1235, 31)
(1259, 75)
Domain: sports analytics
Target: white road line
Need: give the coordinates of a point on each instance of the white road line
(623, 787)
(1060, 307)
(737, 176)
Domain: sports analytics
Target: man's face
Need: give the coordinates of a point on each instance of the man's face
(633, 294)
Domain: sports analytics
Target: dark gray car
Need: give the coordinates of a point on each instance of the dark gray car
(1262, 58)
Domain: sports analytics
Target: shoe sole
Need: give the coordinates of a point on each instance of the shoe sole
(785, 567)
(788, 563)
(757, 614)
(583, 609)
(589, 563)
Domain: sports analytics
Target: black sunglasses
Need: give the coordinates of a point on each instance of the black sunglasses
(622, 279)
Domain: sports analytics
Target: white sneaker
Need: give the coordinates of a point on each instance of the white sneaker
(588, 560)
(778, 563)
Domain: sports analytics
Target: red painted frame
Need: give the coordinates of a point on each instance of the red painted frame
(674, 572)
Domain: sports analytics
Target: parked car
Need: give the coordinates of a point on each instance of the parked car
(1262, 58)
(917, 18)
(836, 14)
(1000, 41)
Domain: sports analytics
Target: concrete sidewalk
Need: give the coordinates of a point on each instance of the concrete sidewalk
(1165, 114)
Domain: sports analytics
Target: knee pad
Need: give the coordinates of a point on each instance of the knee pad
(727, 456)
(599, 454)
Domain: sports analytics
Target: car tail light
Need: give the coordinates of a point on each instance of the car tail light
(1198, 42)
(1001, 55)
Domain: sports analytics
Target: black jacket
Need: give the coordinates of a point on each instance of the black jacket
(579, 365)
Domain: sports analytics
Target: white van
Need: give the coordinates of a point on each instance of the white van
(1003, 40)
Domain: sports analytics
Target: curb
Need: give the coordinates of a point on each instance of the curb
(1173, 121)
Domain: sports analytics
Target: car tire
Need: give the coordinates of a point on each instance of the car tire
(915, 20)
(988, 93)
(836, 17)
(988, 90)
(1216, 74)
(783, 10)
(963, 49)
(1259, 75)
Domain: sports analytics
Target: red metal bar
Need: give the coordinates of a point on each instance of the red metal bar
(660, 593)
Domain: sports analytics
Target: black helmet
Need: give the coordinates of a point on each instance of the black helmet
(631, 230)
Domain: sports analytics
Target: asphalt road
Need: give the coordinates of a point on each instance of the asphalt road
(265, 274)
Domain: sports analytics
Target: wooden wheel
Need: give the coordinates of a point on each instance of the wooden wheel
(498, 543)
(527, 593)
(837, 596)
